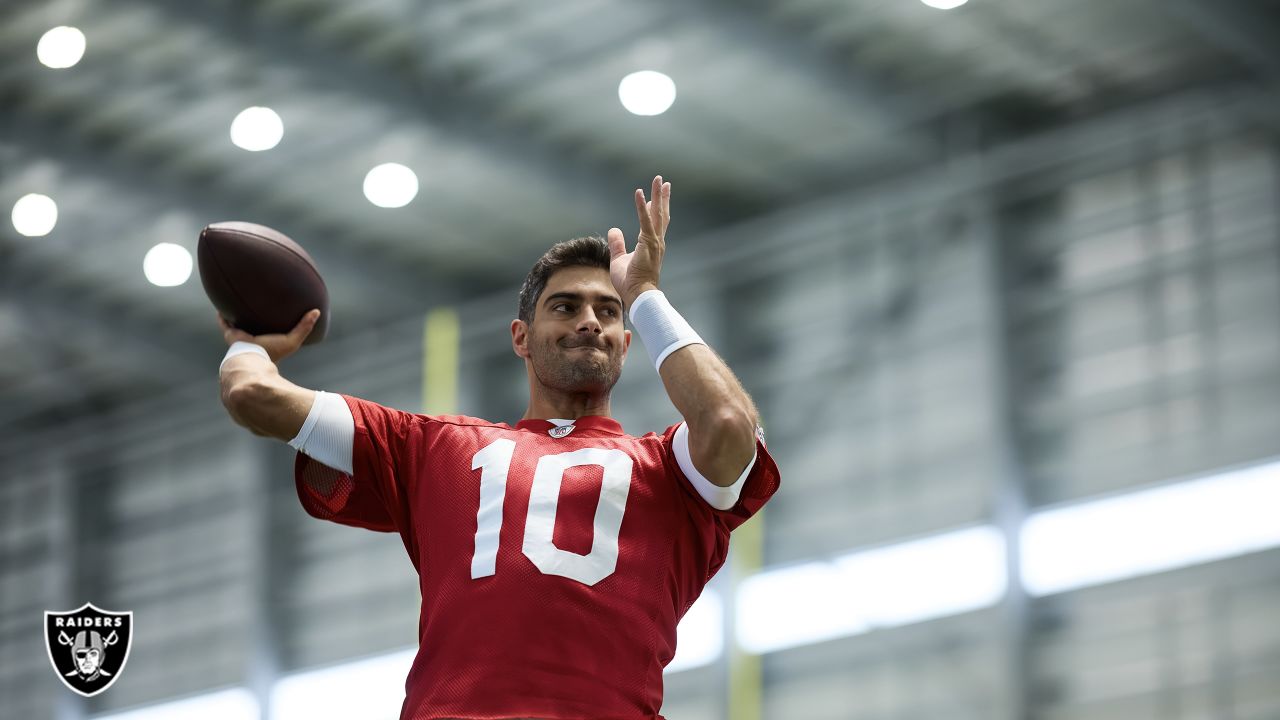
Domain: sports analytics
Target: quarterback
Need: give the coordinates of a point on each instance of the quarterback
(555, 556)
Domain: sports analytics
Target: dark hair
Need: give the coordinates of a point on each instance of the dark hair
(589, 251)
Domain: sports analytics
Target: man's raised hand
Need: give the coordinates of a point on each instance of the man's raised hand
(634, 272)
(278, 345)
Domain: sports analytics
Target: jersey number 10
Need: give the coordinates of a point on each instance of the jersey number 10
(494, 461)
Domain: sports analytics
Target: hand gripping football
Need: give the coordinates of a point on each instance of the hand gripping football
(260, 281)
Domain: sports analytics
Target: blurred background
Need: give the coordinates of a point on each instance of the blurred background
(1003, 279)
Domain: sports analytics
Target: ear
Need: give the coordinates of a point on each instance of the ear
(520, 338)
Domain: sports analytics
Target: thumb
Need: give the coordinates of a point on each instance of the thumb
(306, 324)
(617, 244)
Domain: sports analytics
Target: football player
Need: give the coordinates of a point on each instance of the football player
(555, 555)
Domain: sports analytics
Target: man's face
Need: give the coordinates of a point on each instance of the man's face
(87, 660)
(576, 342)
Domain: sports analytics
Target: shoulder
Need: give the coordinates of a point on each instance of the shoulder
(372, 411)
(663, 437)
(461, 421)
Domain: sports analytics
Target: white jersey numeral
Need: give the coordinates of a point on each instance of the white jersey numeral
(494, 460)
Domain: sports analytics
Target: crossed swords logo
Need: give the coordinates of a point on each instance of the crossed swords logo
(88, 647)
(87, 651)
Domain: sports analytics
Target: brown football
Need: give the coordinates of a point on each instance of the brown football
(259, 280)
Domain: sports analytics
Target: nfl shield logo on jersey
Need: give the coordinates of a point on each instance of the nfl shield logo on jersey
(88, 647)
(559, 432)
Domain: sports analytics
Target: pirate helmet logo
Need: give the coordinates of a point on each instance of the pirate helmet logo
(88, 647)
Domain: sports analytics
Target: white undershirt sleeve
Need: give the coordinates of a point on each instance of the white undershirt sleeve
(329, 432)
(720, 498)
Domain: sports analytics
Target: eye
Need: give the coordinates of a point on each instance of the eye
(557, 306)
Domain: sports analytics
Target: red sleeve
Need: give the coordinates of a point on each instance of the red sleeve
(374, 495)
(761, 483)
(708, 529)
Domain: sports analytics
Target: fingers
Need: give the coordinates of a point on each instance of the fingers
(229, 333)
(617, 243)
(661, 200)
(655, 214)
(305, 325)
(642, 212)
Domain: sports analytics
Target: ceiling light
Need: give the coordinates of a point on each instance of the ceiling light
(231, 704)
(793, 606)
(390, 185)
(366, 688)
(61, 47)
(647, 92)
(1151, 530)
(167, 265)
(257, 128)
(35, 215)
(936, 576)
(700, 634)
(944, 4)
(908, 582)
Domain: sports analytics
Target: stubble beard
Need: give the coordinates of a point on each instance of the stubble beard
(573, 370)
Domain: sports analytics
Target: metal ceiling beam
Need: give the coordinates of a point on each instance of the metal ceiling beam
(32, 406)
(47, 137)
(753, 24)
(1096, 145)
(423, 96)
(63, 323)
(1238, 28)
(55, 382)
(122, 337)
(60, 313)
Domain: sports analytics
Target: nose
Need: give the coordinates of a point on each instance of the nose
(588, 322)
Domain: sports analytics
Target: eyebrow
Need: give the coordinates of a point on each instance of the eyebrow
(577, 297)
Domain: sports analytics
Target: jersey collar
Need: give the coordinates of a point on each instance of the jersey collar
(586, 422)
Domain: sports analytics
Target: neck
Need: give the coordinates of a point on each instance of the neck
(568, 406)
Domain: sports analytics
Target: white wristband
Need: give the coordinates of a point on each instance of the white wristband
(661, 328)
(240, 347)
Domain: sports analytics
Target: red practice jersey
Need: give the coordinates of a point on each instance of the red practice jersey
(553, 566)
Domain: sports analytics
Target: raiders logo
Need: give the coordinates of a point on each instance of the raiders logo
(88, 647)
(559, 432)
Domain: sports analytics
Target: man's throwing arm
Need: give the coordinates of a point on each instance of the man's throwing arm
(720, 416)
(259, 398)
